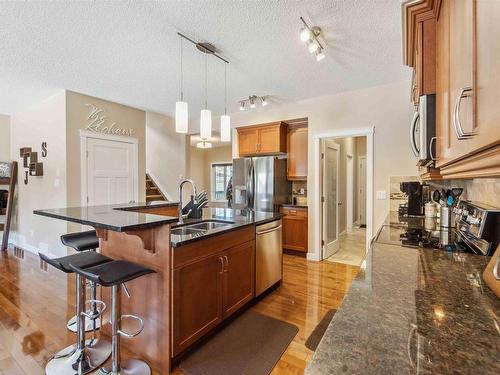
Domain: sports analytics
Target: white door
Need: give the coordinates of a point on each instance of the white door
(350, 191)
(331, 158)
(362, 190)
(111, 172)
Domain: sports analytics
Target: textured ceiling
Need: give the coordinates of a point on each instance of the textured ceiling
(128, 52)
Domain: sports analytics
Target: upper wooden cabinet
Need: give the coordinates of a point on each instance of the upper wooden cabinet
(262, 139)
(467, 85)
(297, 152)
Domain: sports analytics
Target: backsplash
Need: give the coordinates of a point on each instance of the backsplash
(482, 190)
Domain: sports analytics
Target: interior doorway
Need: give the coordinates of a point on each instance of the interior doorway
(330, 166)
(345, 191)
(109, 169)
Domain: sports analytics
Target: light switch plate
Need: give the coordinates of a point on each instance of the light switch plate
(381, 194)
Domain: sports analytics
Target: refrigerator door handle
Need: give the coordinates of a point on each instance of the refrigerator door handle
(250, 187)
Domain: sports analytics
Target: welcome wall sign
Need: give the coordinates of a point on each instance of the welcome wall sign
(98, 122)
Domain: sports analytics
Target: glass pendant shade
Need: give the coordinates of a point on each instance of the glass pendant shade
(204, 144)
(181, 117)
(225, 128)
(205, 124)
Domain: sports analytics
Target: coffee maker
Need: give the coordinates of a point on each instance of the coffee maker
(415, 193)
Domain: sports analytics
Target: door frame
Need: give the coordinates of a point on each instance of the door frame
(367, 132)
(335, 243)
(349, 192)
(366, 190)
(85, 135)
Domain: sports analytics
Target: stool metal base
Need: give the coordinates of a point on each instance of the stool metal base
(67, 361)
(128, 367)
(89, 324)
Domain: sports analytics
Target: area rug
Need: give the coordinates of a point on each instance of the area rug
(313, 340)
(250, 345)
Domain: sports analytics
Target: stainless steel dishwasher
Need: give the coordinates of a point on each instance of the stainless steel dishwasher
(269, 256)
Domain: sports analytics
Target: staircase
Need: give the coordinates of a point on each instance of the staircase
(153, 193)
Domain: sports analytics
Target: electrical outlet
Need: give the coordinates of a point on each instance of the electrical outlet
(381, 194)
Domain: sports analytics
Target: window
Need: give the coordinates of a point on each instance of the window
(221, 173)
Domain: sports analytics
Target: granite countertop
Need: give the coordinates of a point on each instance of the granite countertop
(294, 205)
(414, 310)
(118, 217)
(235, 218)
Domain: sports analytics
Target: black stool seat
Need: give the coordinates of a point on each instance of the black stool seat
(81, 241)
(81, 260)
(112, 273)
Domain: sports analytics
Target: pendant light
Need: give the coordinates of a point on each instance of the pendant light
(225, 120)
(181, 107)
(205, 115)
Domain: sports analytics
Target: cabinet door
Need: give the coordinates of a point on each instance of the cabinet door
(461, 77)
(269, 140)
(239, 273)
(248, 142)
(196, 301)
(295, 231)
(297, 154)
(487, 76)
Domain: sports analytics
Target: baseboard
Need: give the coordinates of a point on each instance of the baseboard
(313, 256)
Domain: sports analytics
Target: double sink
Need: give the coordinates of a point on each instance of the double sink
(200, 228)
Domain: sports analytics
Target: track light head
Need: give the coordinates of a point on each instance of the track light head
(264, 101)
(252, 102)
(305, 34)
(320, 55)
(242, 106)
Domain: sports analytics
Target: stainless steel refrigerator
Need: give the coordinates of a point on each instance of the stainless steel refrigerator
(260, 183)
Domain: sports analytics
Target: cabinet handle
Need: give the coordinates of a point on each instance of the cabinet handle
(227, 262)
(433, 140)
(222, 265)
(461, 134)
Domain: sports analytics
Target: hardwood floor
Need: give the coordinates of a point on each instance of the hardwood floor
(35, 304)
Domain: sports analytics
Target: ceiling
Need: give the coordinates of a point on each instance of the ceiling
(128, 52)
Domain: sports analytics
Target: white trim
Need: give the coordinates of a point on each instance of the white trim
(368, 132)
(212, 190)
(84, 137)
(358, 195)
(334, 245)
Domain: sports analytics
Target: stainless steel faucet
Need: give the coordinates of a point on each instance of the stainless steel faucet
(194, 195)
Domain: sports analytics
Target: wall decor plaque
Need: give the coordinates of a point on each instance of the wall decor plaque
(98, 122)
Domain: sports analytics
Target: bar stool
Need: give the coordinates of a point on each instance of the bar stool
(86, 355)
(115, 274)
(84, 241)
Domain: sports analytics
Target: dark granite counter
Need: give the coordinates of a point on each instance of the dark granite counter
(414, 310)
(234, 218)
(117, 217)
(294, 205)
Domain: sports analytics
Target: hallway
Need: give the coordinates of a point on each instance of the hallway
(351, 247)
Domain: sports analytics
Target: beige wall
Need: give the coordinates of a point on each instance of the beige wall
(4, 138)
(44, 123)
(201, 164)
(165, 153)
(386, 108)
(76, 120)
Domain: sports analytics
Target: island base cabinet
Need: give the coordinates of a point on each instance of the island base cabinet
(208, 290)
(239, 277)
(197, 296)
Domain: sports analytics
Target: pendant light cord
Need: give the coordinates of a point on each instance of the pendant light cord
(182, 76)
(225, 89)
(206, 79)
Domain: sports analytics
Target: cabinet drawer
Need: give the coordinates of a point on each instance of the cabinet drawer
(299, 212)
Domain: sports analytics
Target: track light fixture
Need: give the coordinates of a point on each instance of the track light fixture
(310, 35)
(252, 101)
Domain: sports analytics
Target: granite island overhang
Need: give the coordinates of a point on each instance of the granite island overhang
(128, 232)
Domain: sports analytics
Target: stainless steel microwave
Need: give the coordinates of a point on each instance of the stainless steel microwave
(423, 130)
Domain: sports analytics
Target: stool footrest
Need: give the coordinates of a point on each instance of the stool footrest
(133, 334)
(94, 314)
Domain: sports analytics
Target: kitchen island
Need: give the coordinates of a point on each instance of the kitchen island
(413, 310)
(203, 275)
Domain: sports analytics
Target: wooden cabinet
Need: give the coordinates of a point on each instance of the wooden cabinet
(262, 139)
(239, 277)
(197, 296)
(294, 228)
(211, 279)
(297, 152)
(467, 82)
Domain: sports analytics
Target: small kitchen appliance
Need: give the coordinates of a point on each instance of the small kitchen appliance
(414, 192)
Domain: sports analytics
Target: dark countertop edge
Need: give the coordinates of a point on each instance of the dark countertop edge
(294, 205)
(233, 227)
(145, 206)
(114, 228)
